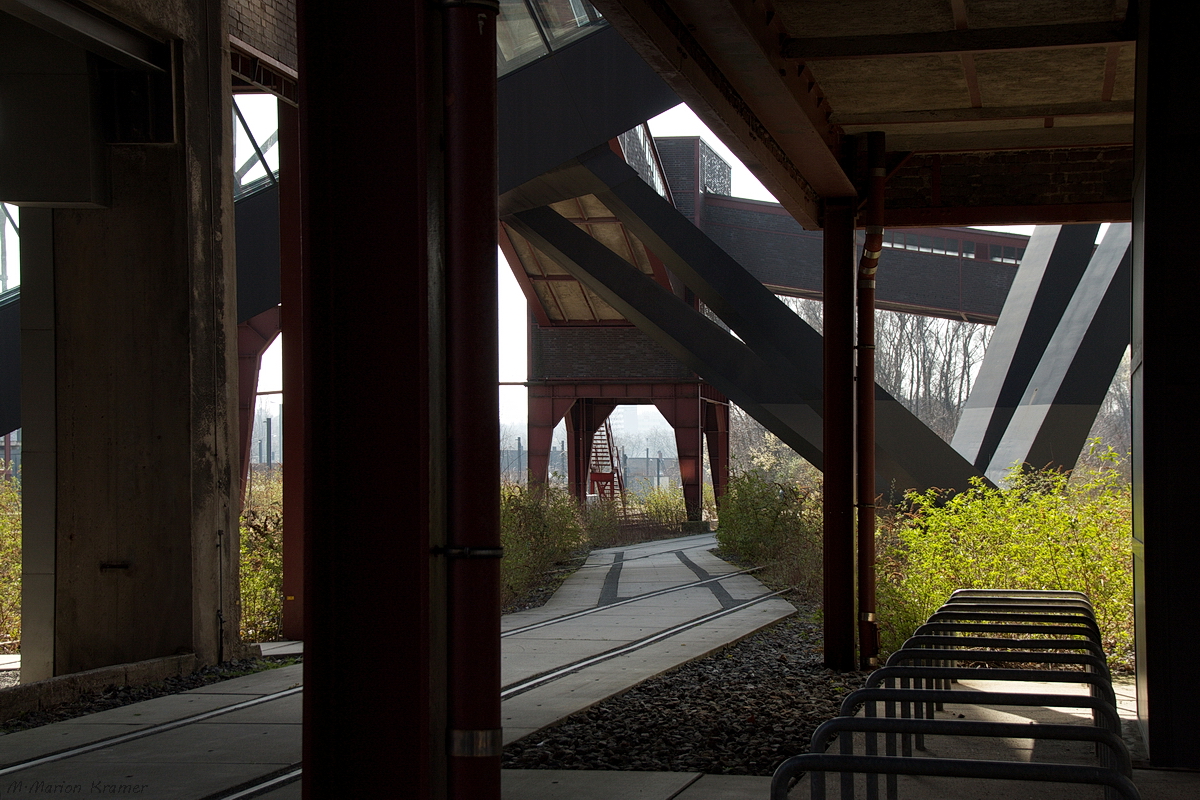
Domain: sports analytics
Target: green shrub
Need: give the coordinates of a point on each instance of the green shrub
(602, 523)
(664, 506)
(540, 525)
(262, 558)
(776, 525)
(10, 562)
(1041, 530)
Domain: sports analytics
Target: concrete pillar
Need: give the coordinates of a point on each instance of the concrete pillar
(136, 437)
(1165, 547)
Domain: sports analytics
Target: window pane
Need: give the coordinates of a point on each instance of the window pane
(517, 39)
(969, 249)
(564, 20)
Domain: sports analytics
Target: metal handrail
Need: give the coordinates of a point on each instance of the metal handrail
(796, 766)
(1022, 593)
(961, 643)
(997, 616)
(1025, 608)
(1065, 602)
(1092, 679)
(1113, 746)
(1006, 627)
(1007, 656)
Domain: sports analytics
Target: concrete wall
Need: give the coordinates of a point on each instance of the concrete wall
(131, 390)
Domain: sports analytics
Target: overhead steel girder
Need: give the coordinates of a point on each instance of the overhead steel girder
(764, 391)
(906, 446)
(1056, 413)
(1054, 263)
(757, 375)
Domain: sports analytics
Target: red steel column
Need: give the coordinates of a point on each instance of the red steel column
(292, 322)
(716, 431)
(372, 163)
(868, 628)
(684, 415)
(473, 479)
(254, 337)
(541, 434)
(838, 439)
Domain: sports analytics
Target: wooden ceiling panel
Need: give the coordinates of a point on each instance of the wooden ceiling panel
(1017, 13)
(869, 17)
(1041, 76)
(875, 85)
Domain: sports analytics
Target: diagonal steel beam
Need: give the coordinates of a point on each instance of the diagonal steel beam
(768, 394)
(907, 450)
(1056, 413)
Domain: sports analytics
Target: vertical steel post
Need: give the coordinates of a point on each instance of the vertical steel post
(868, 629)
(472, 385)
(838, 438)
(371, 167)
(291, 320)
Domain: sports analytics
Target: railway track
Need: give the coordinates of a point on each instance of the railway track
(675, 596)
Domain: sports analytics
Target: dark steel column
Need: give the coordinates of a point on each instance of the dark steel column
(868, 628)
(370, 169)
(472, 386)
(1165, 546)
(838, 438)
(294, 349)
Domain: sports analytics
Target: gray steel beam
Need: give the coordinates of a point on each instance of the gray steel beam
(94, 32)
(1054, 263)
(542, 122)
(909, 453)
(1051, 424)
(760, 374)
(768, 393)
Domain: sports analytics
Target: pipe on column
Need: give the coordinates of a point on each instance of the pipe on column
(473, 479)
(838, 436)
(868, 627)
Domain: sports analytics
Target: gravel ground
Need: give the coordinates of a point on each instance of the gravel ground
(740, 711)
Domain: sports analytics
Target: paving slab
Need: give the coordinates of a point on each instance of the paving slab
(268, 682)
(552, 784)
(728, 787)
(158, 710)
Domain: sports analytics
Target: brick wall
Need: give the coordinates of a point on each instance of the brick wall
(622, 353)
(1030, 177)
(266, 25)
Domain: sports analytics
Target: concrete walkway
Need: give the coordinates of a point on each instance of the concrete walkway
(721, 612)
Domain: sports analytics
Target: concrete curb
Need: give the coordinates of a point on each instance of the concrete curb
(41, 695)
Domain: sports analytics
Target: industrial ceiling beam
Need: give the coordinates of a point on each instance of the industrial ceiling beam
(1040, 138)
(981, 40)
(93, 32)
(1039, 111)
(773, 115)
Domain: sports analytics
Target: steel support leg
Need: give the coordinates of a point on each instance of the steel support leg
(838, 438)
(294, 353)
(716, 432)
(683, 413)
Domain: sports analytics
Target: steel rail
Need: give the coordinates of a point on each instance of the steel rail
(625, 601)
(150, 730)
(533, 683)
